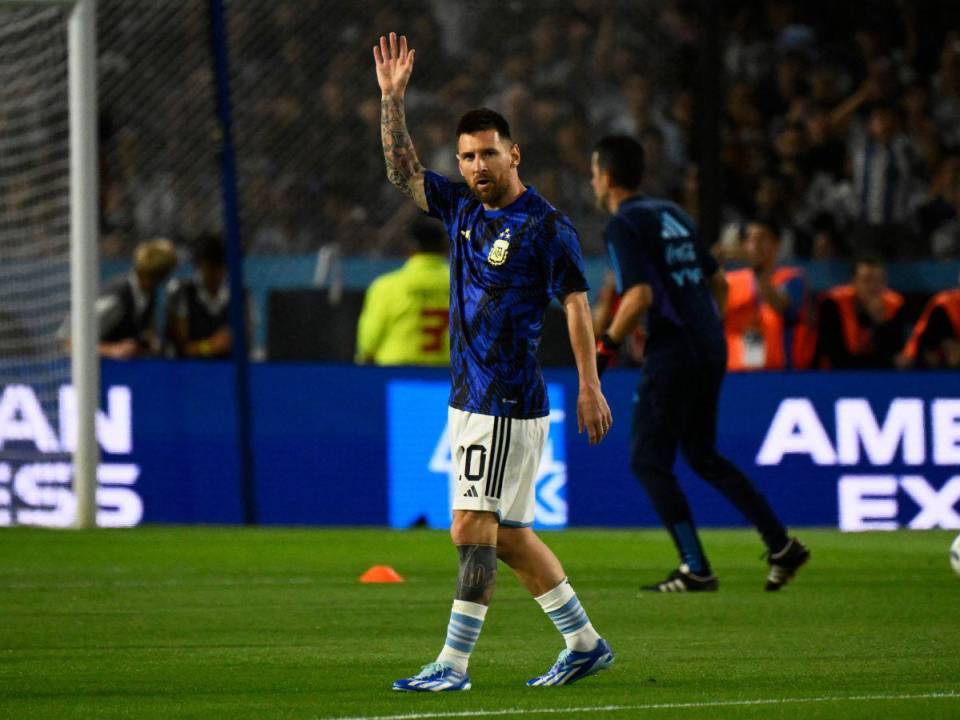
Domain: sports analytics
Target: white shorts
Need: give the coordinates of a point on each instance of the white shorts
(496, 461)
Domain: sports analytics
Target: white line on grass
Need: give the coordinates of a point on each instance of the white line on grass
(656, 706)
(55, 584)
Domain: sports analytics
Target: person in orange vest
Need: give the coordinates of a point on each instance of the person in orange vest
(861, 324)
(935, 341)
(765, 321)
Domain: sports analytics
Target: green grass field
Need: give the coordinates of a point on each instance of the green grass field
(272, 623)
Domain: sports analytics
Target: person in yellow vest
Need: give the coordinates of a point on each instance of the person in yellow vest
(861, 324)
(935, 341)
(405, 316)
(765, 320)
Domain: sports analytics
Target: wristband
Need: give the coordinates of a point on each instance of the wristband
(607, 345)
(606, 350)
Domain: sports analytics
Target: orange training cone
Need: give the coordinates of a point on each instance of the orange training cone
(381, 574)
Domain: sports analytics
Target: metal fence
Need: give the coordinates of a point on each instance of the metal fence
(306, 105)
(158, 130)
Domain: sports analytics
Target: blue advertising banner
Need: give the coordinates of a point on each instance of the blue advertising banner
(339, 445)
(858, 451)
(420, 472)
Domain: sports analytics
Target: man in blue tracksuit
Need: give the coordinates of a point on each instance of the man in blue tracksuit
(663, 269)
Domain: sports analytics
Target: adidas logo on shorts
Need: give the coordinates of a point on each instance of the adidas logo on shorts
(472, 492)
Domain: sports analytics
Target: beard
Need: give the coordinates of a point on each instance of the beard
(492, 192)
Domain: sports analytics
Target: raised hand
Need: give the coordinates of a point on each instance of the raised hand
(394, 64)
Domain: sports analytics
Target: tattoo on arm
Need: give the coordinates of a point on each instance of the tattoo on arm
(403, 166)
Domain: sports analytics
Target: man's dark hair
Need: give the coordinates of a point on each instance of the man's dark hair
(622, 156)
(884, 106)
(771, 223)
(209, 248)
(481, 119)
(429, 236)
(871, 259)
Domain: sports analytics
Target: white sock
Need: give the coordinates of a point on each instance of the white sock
(563, 607)
(466, 621)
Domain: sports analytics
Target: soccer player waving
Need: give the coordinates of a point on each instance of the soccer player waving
(511, 253)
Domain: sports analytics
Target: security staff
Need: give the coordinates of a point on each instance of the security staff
(935, 341)
(198, 324)
(766, 322)
(125, 308)
(860, 325)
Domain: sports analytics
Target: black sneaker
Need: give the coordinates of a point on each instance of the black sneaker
(682, 580)
(784, 564)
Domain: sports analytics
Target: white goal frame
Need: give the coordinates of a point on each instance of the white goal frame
(84, 239)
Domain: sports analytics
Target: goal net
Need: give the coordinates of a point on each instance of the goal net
(34, 243)
(39, 416)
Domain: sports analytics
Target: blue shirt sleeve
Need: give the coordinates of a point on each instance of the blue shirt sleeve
(627, 255)
(443, 197)
(796, 289)
(567, 272)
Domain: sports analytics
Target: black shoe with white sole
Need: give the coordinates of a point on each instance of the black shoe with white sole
(682, 580)
(785, 563)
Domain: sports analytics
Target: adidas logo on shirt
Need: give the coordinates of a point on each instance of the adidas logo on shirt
(670, 228)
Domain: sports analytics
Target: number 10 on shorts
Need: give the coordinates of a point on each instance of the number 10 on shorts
(422, 473)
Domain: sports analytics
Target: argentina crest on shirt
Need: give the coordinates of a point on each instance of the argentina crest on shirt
(500, 248)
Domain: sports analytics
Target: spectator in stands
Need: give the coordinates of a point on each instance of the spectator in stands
(405, 317)
(946, 90)
(825, 152)
(125, 308)
(305, 158)
(945, 237)
(766, 311)
(770, 201)
(861, 324)
(884, 185)
(935, 341)
(198, 323)
(943, 196)
(661, 179)
(919, 127)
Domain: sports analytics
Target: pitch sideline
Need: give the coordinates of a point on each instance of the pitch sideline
(654, 706)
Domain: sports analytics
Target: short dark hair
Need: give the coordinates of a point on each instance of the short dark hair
(770, 223)
(209, 248)
(622, 156)
(871, 259)
(481, 119)
(429, 236)
(883, 106)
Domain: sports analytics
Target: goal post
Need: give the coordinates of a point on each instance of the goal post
(82, 178)
(84, 237)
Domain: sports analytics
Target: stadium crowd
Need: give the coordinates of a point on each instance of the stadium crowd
(840, 125)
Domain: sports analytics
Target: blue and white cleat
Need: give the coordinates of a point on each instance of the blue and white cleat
(435, 677)
(572, 666)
